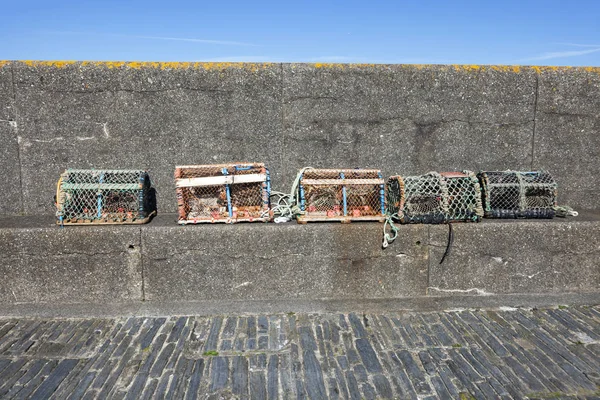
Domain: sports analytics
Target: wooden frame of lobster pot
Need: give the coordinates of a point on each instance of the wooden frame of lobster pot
(435, 198)
(223, 193)
(341, 195)
(90, 196)
(518, 194)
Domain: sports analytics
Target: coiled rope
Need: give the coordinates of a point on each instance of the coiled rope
(285, 206)
(387, 237)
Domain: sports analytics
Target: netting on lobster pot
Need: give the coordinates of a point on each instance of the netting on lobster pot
(223, 193)
(104, 197)
(341, 195)
(435, 198)
(518, 194)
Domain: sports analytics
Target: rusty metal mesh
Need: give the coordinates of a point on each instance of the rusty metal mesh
(103, 196)
(223, 193)
(515, 194)
(435, 197)
(341, 194)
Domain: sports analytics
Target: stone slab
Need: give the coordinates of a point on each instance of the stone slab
(490, 258)
(567, 137)
(258, 261)
(70, 265)
(547, 353)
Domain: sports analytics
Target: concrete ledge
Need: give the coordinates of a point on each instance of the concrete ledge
(162, 266)
(269, 261)
(42, 263)
(223, 307)
(558, 256)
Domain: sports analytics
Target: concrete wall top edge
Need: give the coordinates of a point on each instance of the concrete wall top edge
(263, 65)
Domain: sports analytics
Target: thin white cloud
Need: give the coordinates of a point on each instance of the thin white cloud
(257, 59)
(209, 41)
(335, 59)
(170, 38)
(561, 54)
(580, 45)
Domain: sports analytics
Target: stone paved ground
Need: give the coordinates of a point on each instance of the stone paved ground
(520, 353)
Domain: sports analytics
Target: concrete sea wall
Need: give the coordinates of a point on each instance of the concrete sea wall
(404, 119)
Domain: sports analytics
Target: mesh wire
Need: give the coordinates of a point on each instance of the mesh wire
(341, 194)
(516, 194)
(103, 196)
(214, 200)
(435, 197)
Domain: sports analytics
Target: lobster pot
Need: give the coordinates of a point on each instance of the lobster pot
(514, 194)
(225, 193)
(435, 198)
(341, 195)
(104, 197)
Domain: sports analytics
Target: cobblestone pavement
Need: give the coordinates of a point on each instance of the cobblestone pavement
(515, 353)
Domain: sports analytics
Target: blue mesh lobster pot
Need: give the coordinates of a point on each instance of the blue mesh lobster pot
(225, 193)
(435, 198)
(341, 195)
(86, 197)
(517, 194)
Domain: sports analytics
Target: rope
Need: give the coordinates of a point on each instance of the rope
(387, 238)
(565, 211)
(56, 200)
(449, 244)
(286, 204)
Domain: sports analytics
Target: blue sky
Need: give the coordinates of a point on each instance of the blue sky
(424, 32)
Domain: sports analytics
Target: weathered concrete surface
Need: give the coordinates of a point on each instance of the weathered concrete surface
(10, 165)
(567, 134)
(96, 116)
(482, 354)
(53, 265)
(42, 263)
(408, 119)
(489, 258)
(401, 118)
(268, 261)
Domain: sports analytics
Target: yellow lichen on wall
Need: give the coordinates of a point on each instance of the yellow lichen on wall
(156, 65)
(57, 64)
(254, 67)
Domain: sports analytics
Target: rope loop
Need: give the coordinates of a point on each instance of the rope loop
(387, 237)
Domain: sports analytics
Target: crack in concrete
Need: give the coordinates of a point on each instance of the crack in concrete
(117, 90)
(104, 125)
(480, 292)
(367, 121)
(535, 106)
(298, 98)
(11, 122)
